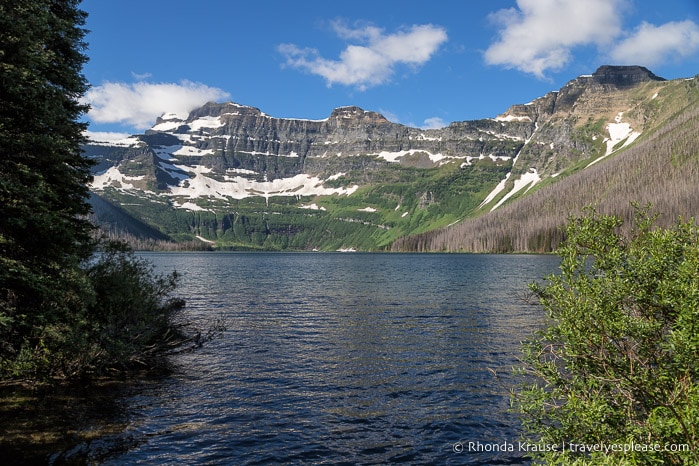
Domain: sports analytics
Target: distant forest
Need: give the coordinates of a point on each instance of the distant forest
(661, 168)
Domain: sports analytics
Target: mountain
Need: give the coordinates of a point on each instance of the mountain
(660, 166)
(232, 175)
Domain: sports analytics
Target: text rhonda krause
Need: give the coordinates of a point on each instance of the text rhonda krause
(568, 446)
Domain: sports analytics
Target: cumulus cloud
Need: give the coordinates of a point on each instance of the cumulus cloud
(651, 45)
(429, 123)
(373, 59)
(138, 104)
(434, 123)
(539, 35)
(106, 136)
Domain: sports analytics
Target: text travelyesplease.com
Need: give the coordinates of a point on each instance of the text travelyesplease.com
(606, 448)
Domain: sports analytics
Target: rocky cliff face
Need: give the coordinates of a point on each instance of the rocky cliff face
(219, 140)
(349, 131)
(621, 77)
(589, 90)
(224, 138)
(586, 118)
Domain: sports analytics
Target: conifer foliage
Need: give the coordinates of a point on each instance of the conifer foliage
(44, 233)
(51, 319)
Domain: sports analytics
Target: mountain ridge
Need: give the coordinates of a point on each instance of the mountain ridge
(364, 174)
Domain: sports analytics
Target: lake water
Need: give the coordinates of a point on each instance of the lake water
(336, 359)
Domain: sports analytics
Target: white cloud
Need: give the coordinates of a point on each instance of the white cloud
(106, 136)
(141, 76)
(540, 34)
(373, 62)
(434, 123)
(429, 123)
(138, 104)
(651, 45)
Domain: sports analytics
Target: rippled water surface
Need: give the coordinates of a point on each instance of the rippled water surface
(337, 358)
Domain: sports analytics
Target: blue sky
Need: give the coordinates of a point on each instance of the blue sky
(422, 64)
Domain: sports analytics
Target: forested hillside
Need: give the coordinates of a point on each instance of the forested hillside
(661, 168)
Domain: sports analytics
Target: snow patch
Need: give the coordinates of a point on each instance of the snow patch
(190, 206)
(618, 132)
(174, 171)
(422, 137)
(166, 126)
(497, 190)
(190, 151)
(196, 169)
(173, 116)
(512, 118)
(165, 152)
(114, 178)
(313, 206)
(269, 154)
(242, 171)
(492, 157)
(527, 180)
(201, 185)
(367, 209)
(205, 122)
(322, 120)
(394, 156)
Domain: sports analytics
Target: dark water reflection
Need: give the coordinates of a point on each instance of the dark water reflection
(334, 358)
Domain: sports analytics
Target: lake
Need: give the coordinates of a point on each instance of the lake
(335, 358)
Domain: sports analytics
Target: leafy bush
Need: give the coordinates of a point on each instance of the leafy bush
(617, 364)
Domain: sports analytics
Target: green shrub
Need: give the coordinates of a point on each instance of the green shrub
(125, 317)
(133, 313)
(617, 363)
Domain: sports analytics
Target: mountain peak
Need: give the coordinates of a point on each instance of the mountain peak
(216, 109)
(357, 113)
(624, 76)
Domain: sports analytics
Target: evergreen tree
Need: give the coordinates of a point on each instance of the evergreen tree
(64, 312)
(44, 232)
